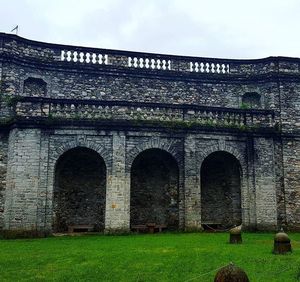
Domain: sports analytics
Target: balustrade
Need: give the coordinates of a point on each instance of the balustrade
(24, 49)
(161, 113)
(149, 63)
(88, 57)
(207, 67)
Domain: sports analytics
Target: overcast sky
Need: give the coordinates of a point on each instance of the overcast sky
(208, 28)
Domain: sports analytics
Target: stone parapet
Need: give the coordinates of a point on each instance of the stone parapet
(19, 48)
(177, 115)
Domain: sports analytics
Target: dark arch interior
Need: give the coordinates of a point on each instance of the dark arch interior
(154, 189)
(251, 100)
(221, 190)
(35, 87)
(79, 192)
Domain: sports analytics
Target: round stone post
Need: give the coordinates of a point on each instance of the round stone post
(231, 273)
(235, 235)
(282, 243)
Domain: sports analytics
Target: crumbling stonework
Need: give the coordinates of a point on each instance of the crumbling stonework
(59, 101)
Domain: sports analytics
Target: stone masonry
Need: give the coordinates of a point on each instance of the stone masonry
(115, 139)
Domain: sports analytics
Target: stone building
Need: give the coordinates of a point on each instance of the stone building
(115, 139)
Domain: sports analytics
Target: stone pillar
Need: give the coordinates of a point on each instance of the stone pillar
(117, 214)
(248, 193)
(265, 189)
(3, 171)
(192, 186)
(20, 212)
(44, 213)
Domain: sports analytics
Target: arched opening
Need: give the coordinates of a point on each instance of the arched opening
(251, 100)
(221, 190)
(79, 192)
(35, 87)
(155, 190)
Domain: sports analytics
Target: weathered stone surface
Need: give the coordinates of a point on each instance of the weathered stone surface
(3, 169)
(282, 243)
(231, 273)
(80, 189)
(155, 189)
(235, 235)
(120, 104)
(221, 190)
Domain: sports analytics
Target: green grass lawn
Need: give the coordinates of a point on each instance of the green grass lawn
(158, 257)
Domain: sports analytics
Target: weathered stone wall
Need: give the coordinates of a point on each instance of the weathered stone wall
(40, 132)
(54, 145)
(80, 189)
(22, 179)
(291, 197)
(290, 106)
(34, 87)
(31, 200)
(3, 170)
(265, 189)
(279, 182)
(81, 85)
(290, 122)
(155, 189)
(221, 190)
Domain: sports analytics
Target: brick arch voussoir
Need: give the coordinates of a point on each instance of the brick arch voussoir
(133, 153)
(60, 150)
(228, 149)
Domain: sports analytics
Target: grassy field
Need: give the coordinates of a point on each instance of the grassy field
(158, 257)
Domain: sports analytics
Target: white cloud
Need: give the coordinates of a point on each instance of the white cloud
(216, 28)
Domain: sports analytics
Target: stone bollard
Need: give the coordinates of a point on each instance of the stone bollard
(235, 235)
(231, 273)
(282, 243)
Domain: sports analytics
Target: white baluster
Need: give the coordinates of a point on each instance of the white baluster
(129, 62)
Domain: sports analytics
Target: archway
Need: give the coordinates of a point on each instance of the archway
(155, 189)
(251, 100)
(221, 190)
(35, 87)
(79, 192)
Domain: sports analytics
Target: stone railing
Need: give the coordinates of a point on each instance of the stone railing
(82, 56)
(166, 114)
(207, 67)
(12, 46)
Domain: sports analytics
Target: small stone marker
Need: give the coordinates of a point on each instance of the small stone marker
(282, 243)
(236, 235)
(231, 273)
